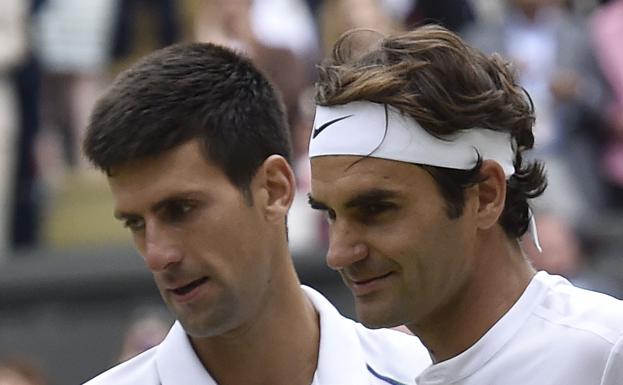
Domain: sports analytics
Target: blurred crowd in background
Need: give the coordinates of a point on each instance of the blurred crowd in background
(56, 57)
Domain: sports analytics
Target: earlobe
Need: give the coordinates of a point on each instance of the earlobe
(279, 185)
(491, 194)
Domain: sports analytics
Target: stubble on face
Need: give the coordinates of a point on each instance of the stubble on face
(199, 235)
(414, 240)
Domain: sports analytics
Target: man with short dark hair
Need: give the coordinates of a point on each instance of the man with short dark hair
(416, 158)
(195, 144)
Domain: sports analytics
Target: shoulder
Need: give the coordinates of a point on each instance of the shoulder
(140, 370)
(588, 313)
(568, 303)
(393, 353)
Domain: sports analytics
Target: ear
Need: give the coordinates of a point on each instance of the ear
(491, 194)
(276, 181)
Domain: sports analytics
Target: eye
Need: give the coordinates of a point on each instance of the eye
(374, 210)
(177, 211)
(134, 224)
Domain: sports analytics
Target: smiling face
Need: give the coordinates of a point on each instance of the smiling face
(390, 238)
(210, 251)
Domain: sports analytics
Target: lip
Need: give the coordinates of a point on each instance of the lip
(361, 287)
(188, 292)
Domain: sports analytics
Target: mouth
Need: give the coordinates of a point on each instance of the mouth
(186, 289)
(366, 286)
(368, 280)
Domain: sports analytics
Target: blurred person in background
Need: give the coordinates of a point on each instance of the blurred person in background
(20, 371)
(146, 329)
(417, 160)
(230, 23)
(26, 212)
(236, 24)
(551, 50)
(452, 14)
(73, 41)
(606, 32)
(13, 51)
(130, 25)
(337, 17)
(196, 147)
(286, 24)
(563, 254)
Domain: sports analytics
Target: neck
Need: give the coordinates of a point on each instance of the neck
(279, 346)
(499, 278)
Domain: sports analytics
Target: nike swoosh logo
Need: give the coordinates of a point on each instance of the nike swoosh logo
(327, 124)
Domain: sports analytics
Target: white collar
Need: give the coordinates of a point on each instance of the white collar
(177, 362)
(338, 362)
(474, 358)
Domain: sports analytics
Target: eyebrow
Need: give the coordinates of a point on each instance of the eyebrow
(370, 196)
(122, 216)
(187, 195)
(367, 197)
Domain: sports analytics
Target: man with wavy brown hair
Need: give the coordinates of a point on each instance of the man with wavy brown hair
(416, 157)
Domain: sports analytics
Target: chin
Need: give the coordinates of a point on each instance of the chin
(203, 329)
(377, 314)
(377, 320)
(204, 324)
(378, 324)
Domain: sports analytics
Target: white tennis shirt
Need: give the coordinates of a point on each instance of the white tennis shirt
(349, 354)
(556, 334)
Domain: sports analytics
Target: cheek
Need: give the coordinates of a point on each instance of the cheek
(402, 238)
(427, 252)
(216, 238)
(454, 252)
(241, 237)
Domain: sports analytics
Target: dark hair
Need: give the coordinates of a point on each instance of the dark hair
(444, 84)
(190, 91)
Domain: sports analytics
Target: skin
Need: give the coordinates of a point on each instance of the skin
(222, 264)
(10, 377)
(406, 262)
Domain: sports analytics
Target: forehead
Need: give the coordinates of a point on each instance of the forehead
(335, 177)
(178, 170)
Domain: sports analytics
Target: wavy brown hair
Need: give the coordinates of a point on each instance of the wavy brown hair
(432, 75)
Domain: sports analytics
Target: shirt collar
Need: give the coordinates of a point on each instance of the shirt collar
(177, 362)
(471, 360)
(340, 360)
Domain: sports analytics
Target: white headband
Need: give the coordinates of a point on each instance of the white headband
(370, 129)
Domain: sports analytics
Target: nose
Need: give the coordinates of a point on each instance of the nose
(345, 247)
(160, 249)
